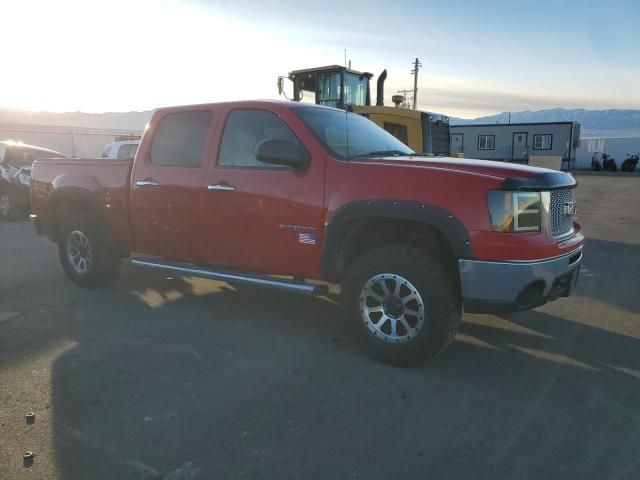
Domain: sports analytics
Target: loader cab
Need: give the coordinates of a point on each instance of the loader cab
(331, 86)
(341, 87)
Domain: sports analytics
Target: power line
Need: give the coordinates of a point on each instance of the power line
(407, 98)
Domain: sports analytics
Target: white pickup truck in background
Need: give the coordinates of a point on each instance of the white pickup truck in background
(121, 150)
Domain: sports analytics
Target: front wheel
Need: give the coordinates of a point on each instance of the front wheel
(403, 304)
(86, 255)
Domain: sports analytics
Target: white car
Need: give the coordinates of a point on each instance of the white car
(123, 150)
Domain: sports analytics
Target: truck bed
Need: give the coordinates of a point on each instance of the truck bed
(104, 181)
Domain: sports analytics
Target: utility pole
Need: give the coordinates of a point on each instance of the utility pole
(509, 117)
(416, 67)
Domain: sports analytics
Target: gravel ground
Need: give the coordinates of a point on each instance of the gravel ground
(182, 378)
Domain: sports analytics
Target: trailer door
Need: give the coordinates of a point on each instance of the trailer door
(457, 143)
(519, 150)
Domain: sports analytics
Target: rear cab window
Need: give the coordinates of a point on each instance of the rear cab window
(179, 139)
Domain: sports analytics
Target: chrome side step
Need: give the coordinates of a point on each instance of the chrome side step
(234, 277)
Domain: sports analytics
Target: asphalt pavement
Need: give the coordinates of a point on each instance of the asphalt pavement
(174, 378)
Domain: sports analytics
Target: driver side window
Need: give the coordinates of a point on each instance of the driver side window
(244, 130)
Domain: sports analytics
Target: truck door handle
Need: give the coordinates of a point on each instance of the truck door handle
(222, 187)
(146, 183)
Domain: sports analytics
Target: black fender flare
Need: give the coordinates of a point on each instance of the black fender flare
(344, 218)
(49, 224)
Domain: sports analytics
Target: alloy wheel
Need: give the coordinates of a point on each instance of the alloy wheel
(392, 308)
(79, 252)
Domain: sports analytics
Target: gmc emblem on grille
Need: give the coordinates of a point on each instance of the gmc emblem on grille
(570, 208)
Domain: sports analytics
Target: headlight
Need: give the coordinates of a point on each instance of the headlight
(517, 211)
(25, 179)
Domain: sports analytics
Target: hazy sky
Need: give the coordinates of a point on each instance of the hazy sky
(478, 57)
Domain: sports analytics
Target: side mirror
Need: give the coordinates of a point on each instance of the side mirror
(282, 152)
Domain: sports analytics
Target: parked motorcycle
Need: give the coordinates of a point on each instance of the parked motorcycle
(608, 163)
(630, 163)
(596, 166)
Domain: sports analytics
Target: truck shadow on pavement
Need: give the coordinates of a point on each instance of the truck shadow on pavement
(610, 274)
(183, 380)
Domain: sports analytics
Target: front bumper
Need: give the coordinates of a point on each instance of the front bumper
(499, 287)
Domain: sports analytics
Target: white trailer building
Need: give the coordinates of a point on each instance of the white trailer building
(517, 142)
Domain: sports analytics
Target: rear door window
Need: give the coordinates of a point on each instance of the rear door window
(180, 138)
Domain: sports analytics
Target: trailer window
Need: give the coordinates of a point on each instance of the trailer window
(486, 142)
(542, 142)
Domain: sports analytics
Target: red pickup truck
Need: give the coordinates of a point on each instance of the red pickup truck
(250, 192)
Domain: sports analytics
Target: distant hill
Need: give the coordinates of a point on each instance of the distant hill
(595, 123)
(111, 120)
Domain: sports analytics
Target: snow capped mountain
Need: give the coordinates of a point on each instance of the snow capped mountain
(595, 123)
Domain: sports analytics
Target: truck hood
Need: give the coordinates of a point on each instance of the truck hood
(514, 176)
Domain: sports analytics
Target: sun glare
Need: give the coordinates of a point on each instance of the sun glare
(96, 58)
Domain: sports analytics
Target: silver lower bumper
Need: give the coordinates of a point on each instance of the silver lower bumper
(517, 285)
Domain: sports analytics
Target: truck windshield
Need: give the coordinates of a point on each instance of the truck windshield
(19, 157)
(348, 135)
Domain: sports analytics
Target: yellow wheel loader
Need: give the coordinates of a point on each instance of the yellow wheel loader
(341, 87)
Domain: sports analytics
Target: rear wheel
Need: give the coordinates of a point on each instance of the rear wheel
(86, 255)
(403, 304)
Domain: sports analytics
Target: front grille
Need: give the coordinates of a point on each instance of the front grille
(561, 223)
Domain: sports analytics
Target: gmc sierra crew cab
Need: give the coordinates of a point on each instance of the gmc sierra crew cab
(276, 193)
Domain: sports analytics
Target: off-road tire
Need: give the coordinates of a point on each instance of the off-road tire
(105, 263)
(437, 288)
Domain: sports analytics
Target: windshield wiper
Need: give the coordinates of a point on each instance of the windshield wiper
(382, 153)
